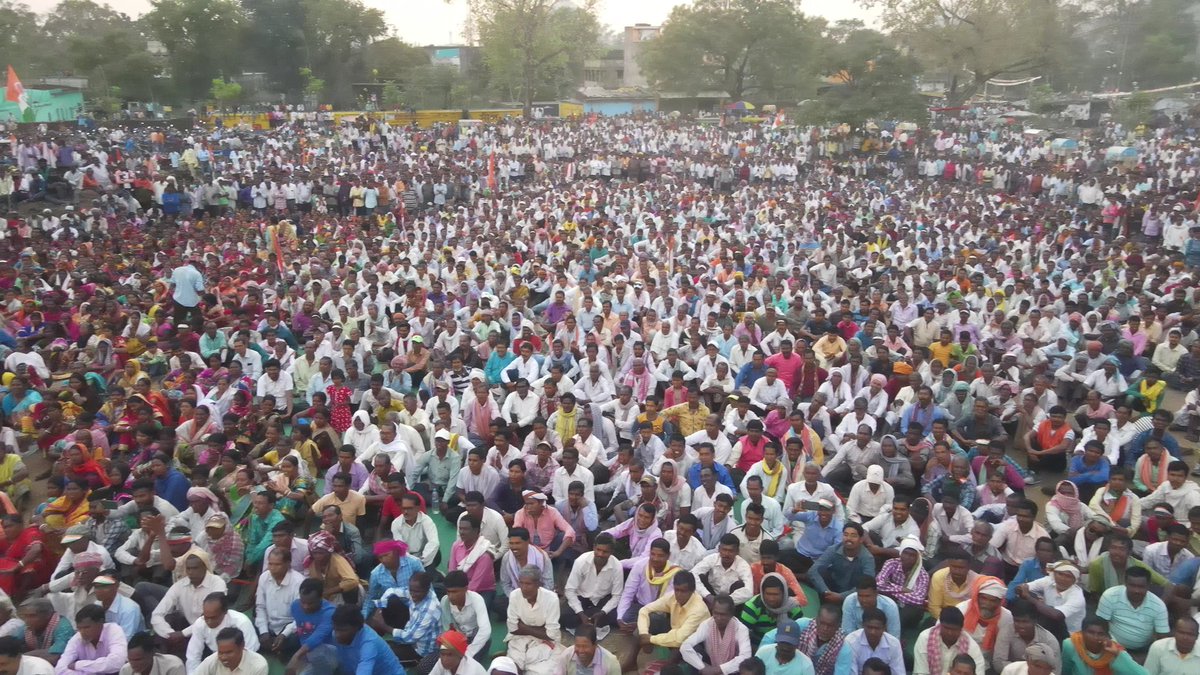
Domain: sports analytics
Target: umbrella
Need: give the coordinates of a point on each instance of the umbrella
(740, 105)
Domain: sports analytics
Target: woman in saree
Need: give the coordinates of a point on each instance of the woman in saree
(156, 399)
(327, 562)
(83, 393)
(228, 463)
(128, 375)
(215, 370)
(326, 439)
(296, 492)
(145, 439)
(222, 393)
(119, 481)
(240, 494)
(79, 465)
(25, 554)
(190, 434)
(19, 402)
(71, 508)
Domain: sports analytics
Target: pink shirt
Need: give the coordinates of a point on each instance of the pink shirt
(481, 576)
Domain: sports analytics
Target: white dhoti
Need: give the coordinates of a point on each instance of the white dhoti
(534, 656)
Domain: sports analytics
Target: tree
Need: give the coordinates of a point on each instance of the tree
(104, 46)
(224, 92)
(336, 33)
(866, 77)
(202, 38)
(393, 59)
(532, 47)
(276, 41)
(313, 86)
(21, 38)
(436, 86)
(757, 49)
(982, 39)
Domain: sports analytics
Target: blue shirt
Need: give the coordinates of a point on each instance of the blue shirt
(833, 567)
(188, 283)
(723, 476)
(314, 629)
(372, 655)
(1085, 475)
(856, 650)
(799, 665)
(748, 375)
(816, 539)
(173, 487)
(1030, 570)
(1186, 573)
(382, 580)
(1137, 447)
(852, 613)
(127, 614)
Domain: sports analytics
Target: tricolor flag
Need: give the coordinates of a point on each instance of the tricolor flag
(778, 120)
(14, 92)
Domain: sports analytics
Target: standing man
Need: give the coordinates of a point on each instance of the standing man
(188, 284)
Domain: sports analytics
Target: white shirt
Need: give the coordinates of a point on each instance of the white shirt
(273, 604)
(204, 636)
(281, 388)
(722, 578)
(1071, 603)
(584, 581)
(187, 599)
(252, 663)
(561, 481)
(32, 665)
(526, 409)
(688, 556)
(1156, 558)
(741, 634)
(251, 363)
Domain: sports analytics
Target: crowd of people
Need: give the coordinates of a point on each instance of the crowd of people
(599, 395)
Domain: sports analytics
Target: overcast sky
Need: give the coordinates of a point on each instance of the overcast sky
(439, 22)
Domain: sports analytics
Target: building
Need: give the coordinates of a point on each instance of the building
(463, 57)
(47, 104)
(635, 35)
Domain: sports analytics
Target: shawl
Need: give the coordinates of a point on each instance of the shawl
(227, 551)
(1083, 553)
(361, 440)
(480, 549)
(934, 646)
(721, 646)
(1049, 437)
(776, 477)
(1117, 507)
(782, 612)
(810, 645)
(972, 617)
(1101, 665)
(1146, 472)
(1068, 504)
(33, 642)
(535, 556)
(564, 424)
(659, 582)
(891, 465)
(642, 385)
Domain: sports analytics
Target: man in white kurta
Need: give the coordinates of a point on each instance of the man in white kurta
(533, 609)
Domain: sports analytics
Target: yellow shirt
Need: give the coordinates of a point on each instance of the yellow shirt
(684, 619)
(941, 352)
(689, 421)
(943, 592)
(353, 506)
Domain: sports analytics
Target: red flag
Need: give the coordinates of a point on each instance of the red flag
(492, 171)
(14, 91)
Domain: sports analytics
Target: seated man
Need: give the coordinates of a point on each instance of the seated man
(951, 584)
(1111, 568)
(519, 555)
(822, 529)
(821, 639)
(533, 624)
(96, 647)
(774, 604)
(216, 617)
(719, 647)
(143, 657)
(46, 632)
(868, 597)
(1175, 654)
(986, 620)
(905, 580)
(183, 603)
(278, 588)
(945, 641)
(232, 656)
(312, 615)
(412, 618)
(464, 612)
(784, 656)
(870, 642)
(1136, 617)
(837, 571)
(594, 588)
(724, 572)
(768, 563)
(674, 617)
(1092, 651)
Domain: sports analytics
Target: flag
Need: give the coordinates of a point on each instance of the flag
(778, 120)
(14, 92)
(492, 172)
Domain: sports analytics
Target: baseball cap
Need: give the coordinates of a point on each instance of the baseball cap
(875, 474)
(788, 633)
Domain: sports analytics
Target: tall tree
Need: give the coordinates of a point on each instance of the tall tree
(203, 40)
(757, 49)
(532, 47)
(393, 59)
(275, 38)
(336, 33)
(104, 46)
(21, 38)
(973, 41)
(866, 77)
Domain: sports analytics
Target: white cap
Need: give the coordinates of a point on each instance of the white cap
(875, 474)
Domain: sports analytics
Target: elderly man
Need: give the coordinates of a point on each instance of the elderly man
(46, 632)
(533, 624)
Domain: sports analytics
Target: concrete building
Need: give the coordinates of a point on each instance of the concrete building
(635, 35)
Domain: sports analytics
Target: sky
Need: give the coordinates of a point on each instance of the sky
(439, 22)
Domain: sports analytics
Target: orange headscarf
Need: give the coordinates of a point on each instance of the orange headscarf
(972, 618)
(1100, 666)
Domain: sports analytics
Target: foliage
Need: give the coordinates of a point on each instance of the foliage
(1152, 43)
(1133, 110)
(534, 48)
(390, 59)
(435, 86)
(392, 96)
(20, 37)
(866, 77)
(758, 49)
(313, 86)
(203, 39)
(977, 40)
(225, 92)
(335, 33)
(1039, 98)
(275, 41)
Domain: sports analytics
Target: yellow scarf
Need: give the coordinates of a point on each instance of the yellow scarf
(776, 477)
(565, 424)
(660, 581)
